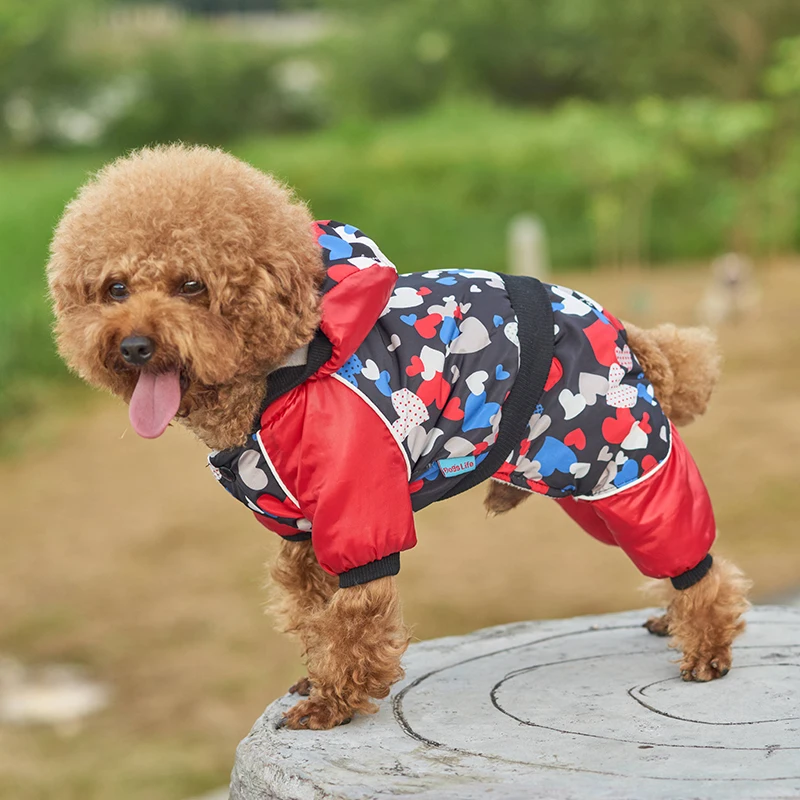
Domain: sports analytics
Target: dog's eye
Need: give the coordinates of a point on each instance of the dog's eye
(118, 291)
(191, 288)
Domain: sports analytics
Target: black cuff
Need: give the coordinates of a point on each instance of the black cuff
(693, 575)
(304, 536)
(382, 568)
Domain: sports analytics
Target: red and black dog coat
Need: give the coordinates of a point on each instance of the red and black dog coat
(417, 387)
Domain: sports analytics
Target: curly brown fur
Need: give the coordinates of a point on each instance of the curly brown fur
(502, 497)
(160, 217)
(300, 587)
(683, 364)
(704, 620)
(354, 646)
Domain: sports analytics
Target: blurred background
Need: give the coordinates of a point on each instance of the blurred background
(646, 153)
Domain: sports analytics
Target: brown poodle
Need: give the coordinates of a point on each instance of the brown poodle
(187, 282)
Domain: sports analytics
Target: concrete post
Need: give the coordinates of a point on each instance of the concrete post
(527, 247)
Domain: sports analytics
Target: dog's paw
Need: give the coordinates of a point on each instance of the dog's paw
(302, 687)
(313, 714)
(659, 626)
(706, 667)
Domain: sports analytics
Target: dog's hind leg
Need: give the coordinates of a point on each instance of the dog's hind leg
(704, 619)
(355, 643)
(300, 588)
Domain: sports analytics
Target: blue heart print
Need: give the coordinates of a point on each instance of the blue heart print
(449, 330)
(499, 373)
(641, 390)
(447, 281)
(338, 248)
(409, 319)
(554, 455)
(478, 413)
(628, 473)
(350, 369)
(430, 473)
(382, 384)
(498, 320)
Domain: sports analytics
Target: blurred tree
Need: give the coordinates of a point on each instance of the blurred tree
(34, 58)
(541, 52)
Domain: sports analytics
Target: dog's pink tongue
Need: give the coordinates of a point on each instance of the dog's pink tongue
(154, 403)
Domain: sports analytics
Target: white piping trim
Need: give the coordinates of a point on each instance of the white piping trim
(275, 472)
(514, 485)
(380, 416)
(591, 497)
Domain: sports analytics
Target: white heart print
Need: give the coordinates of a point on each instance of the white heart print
(572, 404)
(411, 411)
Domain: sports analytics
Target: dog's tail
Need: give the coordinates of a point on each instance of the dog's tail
(683, 364)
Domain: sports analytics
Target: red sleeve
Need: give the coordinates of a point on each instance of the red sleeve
(353, 481)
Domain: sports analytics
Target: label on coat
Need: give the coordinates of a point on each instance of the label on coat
(453, 467)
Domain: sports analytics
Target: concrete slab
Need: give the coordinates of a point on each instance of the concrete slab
(567, 709)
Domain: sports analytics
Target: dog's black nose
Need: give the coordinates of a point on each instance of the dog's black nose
(137, 350)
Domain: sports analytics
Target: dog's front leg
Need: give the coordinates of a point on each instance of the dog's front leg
(355, 643)
(704, 619)
(300, 589)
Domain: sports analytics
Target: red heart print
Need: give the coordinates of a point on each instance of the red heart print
(555, 375)
(645, 423)
(577, 438)
(423, 290)
(479, 448)
(338, 272)
(648, 463)
(603, 339)
(524, 447)
(426, 327)
(504, 471)
(415, 486)
(537, 486)
(416, 367)
(436, 390)
(453, 410)
(615, 429)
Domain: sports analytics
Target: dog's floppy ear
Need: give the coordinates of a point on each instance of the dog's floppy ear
(273, 303)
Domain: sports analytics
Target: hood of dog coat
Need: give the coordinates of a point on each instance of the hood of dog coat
(358, 284)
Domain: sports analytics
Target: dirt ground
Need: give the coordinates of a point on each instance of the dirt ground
(124, 556)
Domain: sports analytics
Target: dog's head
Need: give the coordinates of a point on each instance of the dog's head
(178, 271)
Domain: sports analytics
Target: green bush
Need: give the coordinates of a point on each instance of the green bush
(205, 89)
(198, 86)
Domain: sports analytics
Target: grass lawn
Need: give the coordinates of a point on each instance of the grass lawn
(124, 556)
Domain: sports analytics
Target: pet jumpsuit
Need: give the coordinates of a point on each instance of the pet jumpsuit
(417, 387)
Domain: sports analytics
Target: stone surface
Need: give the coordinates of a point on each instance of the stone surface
(586, 707)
